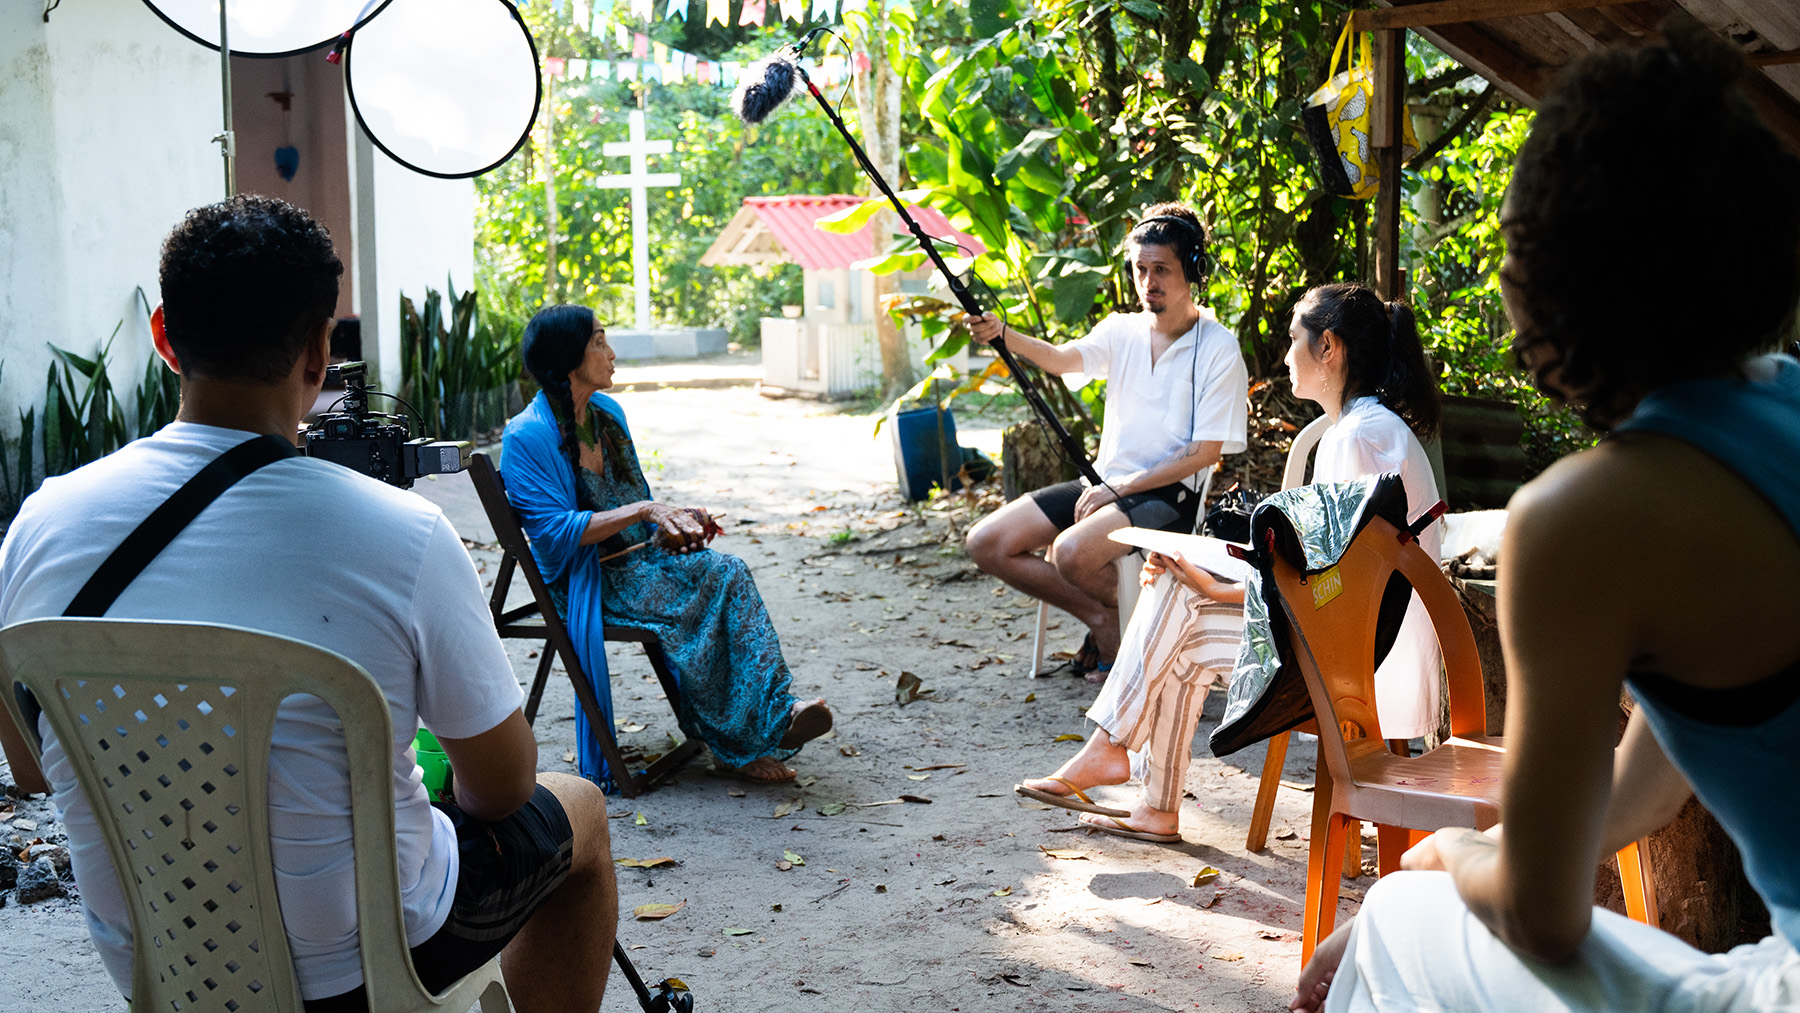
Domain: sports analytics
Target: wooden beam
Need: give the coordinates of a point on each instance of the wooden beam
(1471, 47)
(1450, 12)
(1386, 133)
(1773, 59)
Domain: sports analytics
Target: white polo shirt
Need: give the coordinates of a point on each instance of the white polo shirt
(1197, 390)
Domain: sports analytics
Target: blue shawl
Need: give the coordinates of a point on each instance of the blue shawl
(541, 485)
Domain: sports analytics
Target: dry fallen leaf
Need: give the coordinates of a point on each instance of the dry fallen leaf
(793, 857)
(738, 931)
(641, 821)
(783, 809)
(849, 750)
(1069, 737)
(1067, 854)
(809, 781)
(783, 865)
(735, 792)
(881, 888)
(655, 912)
(630, 726)
(918, 777)
(909, 688)
(1285, 834)
(25, 825)
(1277, 936)
(774, 907)
(644, 863)
(1140, 963)
(1206, 875)
(568, 756)
(937, 766)
(1005, 891)
(1227, 955)
(1030, 697)
(920, 799)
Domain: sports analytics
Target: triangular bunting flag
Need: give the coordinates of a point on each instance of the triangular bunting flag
(640, 46)
(555, 66)
(793, 10)
(752, 13)
(677, 7)
(652, 72)
(824, 10)
(728, 73)
(600, 70)
(659, 52)
(621, 37)
(640, 9)
(628, 71)
(578, 70)
(703, 72)
(718, 10)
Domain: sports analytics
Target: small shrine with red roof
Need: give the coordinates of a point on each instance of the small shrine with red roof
(827, 346)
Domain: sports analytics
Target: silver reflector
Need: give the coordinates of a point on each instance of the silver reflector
(446, 87)
(264, 27)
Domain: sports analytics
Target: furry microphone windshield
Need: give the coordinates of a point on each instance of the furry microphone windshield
(765, 85)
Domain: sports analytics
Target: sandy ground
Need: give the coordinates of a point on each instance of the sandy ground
(953, 904)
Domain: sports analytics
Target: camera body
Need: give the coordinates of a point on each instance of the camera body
(377, 444)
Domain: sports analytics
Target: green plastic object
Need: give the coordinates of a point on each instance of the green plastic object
(432, 761)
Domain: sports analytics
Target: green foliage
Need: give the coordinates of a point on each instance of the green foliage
(721, 161)
(458, 371)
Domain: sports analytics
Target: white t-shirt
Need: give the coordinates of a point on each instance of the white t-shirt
(1369, 439)
(1196, 390)
(309, 550)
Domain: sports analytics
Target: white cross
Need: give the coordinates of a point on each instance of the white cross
(638, 181)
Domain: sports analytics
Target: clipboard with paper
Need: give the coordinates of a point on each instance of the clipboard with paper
(1211, 554)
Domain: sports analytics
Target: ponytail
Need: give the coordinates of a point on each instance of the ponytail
(1386, 357)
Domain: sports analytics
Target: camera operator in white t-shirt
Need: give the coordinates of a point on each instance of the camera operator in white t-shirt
(1175, 401)
(517, 863)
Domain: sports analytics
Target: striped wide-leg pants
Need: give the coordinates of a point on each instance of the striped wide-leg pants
(1179, 642)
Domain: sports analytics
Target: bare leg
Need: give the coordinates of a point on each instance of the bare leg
(1100, 761)
(1315, 977)
(576, 926)
(1003, 544)
(1088, 560)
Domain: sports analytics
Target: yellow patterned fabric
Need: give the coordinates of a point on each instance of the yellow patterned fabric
(1338, 115)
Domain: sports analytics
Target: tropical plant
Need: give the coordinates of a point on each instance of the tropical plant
(459, 370)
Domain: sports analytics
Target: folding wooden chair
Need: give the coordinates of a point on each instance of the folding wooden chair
(549, 629)
(1331, 620)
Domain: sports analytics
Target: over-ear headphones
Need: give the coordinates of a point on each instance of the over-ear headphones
(1195, 264)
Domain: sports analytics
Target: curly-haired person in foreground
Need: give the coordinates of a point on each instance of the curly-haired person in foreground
(518, 863)
(1599, 550)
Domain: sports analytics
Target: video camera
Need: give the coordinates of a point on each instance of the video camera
(377, 444)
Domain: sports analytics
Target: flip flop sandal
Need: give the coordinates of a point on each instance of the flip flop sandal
(1086, 657)
(1118, 829)
(808, 723)
(1079, 803)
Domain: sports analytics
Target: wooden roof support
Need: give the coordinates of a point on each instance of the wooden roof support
(1386, 133)
(1450, 12)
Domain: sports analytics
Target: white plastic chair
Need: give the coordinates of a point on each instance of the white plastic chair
(168, 727)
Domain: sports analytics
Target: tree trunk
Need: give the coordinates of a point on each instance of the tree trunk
(1029, 460)
(878, 106)
(550, 217)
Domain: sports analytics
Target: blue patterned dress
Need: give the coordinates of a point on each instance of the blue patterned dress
(705, 609)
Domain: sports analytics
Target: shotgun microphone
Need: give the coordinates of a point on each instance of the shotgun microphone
(768, 84)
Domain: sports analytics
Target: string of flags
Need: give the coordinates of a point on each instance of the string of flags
(657, 62)
(750, 12)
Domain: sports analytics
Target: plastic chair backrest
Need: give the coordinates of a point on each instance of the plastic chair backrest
(1332, 620)
(167, 726)
(1293, 474)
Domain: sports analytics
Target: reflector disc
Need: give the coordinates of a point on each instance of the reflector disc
(264, 27)
(446, 87)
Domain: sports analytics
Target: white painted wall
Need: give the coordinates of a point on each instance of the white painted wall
(106, 116)
(423, 234)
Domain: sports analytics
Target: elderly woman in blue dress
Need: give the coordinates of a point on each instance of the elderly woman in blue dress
(572, 473)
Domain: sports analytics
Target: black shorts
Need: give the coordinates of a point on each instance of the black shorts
(508, 870)
(1058, 503)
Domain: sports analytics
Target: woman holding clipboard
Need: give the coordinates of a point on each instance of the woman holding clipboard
(1360, 360)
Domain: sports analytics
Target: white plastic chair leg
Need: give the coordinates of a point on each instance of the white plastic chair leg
(1039, 640)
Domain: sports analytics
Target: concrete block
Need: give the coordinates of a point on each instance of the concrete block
(667, 342)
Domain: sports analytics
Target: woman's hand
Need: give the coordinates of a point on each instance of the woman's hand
(1155, 565)
(1202, 580)
(680, 529)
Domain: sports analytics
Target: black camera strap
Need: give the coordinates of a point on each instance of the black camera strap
(169, 519)
(156, 532)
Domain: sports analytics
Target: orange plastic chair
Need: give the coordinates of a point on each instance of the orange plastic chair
(1331, 625)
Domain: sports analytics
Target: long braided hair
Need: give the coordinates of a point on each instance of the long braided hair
(555, 342)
